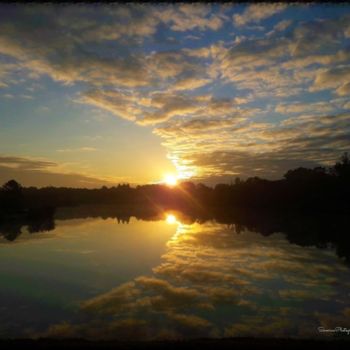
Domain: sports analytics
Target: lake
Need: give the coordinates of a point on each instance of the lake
(167, 278)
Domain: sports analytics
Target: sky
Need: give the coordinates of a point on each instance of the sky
(94, 95)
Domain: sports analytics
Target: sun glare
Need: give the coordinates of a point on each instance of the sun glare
(171, 219)
(170, 180)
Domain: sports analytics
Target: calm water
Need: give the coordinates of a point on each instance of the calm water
(97, 278)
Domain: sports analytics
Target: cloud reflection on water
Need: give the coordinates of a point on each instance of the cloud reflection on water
(212, 282)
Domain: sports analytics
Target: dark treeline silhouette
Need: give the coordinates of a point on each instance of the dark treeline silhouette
(16, 211)
(309, 205)
(301, 189)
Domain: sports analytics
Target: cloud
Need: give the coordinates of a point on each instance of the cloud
(199, 124)
(8, 96)
(188, 17)
(32, 172)
(321, 33)
(265, 150)
(123, 105)
(256, 52)
(159, 107)
(5, 72)
(344, 90)
(189, 83)
(190, 321)
(78, 66)
(282, 25)
(24, 163)
(68, 58)
(315, 108)
(337, 77)
(169, 106)
(266, 64)
(256, 13)
(178, 64)
(125, 22)
(325, 59)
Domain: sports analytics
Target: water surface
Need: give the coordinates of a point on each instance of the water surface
(97, 278)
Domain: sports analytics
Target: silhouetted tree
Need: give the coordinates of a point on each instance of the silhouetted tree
(302, 175)
(11, 193)
(342, 168)
(12, 186)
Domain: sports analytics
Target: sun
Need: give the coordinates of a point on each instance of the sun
(170, 180)
(171, 219)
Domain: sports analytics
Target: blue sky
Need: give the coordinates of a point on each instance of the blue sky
(97, 95)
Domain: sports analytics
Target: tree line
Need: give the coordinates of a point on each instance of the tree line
(301, 189)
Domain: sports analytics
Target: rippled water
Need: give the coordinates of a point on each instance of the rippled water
(97, 278)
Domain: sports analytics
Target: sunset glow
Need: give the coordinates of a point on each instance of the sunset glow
(170, 180)
(171, 219)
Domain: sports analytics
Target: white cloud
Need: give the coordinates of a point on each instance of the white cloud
(256, 13)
